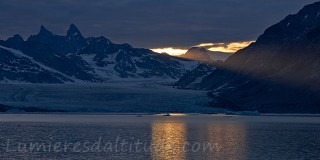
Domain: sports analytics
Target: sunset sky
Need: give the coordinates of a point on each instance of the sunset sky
(163, 25)
(227, 47)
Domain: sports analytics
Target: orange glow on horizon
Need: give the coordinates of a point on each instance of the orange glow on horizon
(230, 47)
(170, 50)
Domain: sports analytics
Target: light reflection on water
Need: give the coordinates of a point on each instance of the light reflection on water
(168, 139)
(230, 140)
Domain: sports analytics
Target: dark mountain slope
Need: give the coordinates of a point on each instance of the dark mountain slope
(280, 72)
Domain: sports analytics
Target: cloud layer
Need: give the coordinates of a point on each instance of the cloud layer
(230, 47)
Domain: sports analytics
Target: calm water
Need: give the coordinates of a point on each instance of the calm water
(155, 137)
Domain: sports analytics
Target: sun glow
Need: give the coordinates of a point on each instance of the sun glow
(170, 50)
(230, 47)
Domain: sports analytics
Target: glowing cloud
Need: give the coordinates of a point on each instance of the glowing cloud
(205, 44)
(230, 47)
(170, 50)
(225, 47)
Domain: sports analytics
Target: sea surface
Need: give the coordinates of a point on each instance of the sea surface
(177, 137)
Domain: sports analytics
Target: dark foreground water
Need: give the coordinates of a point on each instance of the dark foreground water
(178, 137)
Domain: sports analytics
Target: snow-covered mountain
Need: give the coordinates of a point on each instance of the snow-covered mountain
(204, 55)
(194, 78)
(280, 72)
(50, 58)
(18, 67)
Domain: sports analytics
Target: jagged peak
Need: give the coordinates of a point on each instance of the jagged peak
(102, 38)
(44, 31)
(127, 45)
(73, 31)
(16, 37)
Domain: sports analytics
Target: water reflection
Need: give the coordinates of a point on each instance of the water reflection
(168, 139)
(229, 140)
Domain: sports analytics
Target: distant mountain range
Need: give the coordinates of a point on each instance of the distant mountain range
(50, 58)
(280, 72)
(204, 55)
